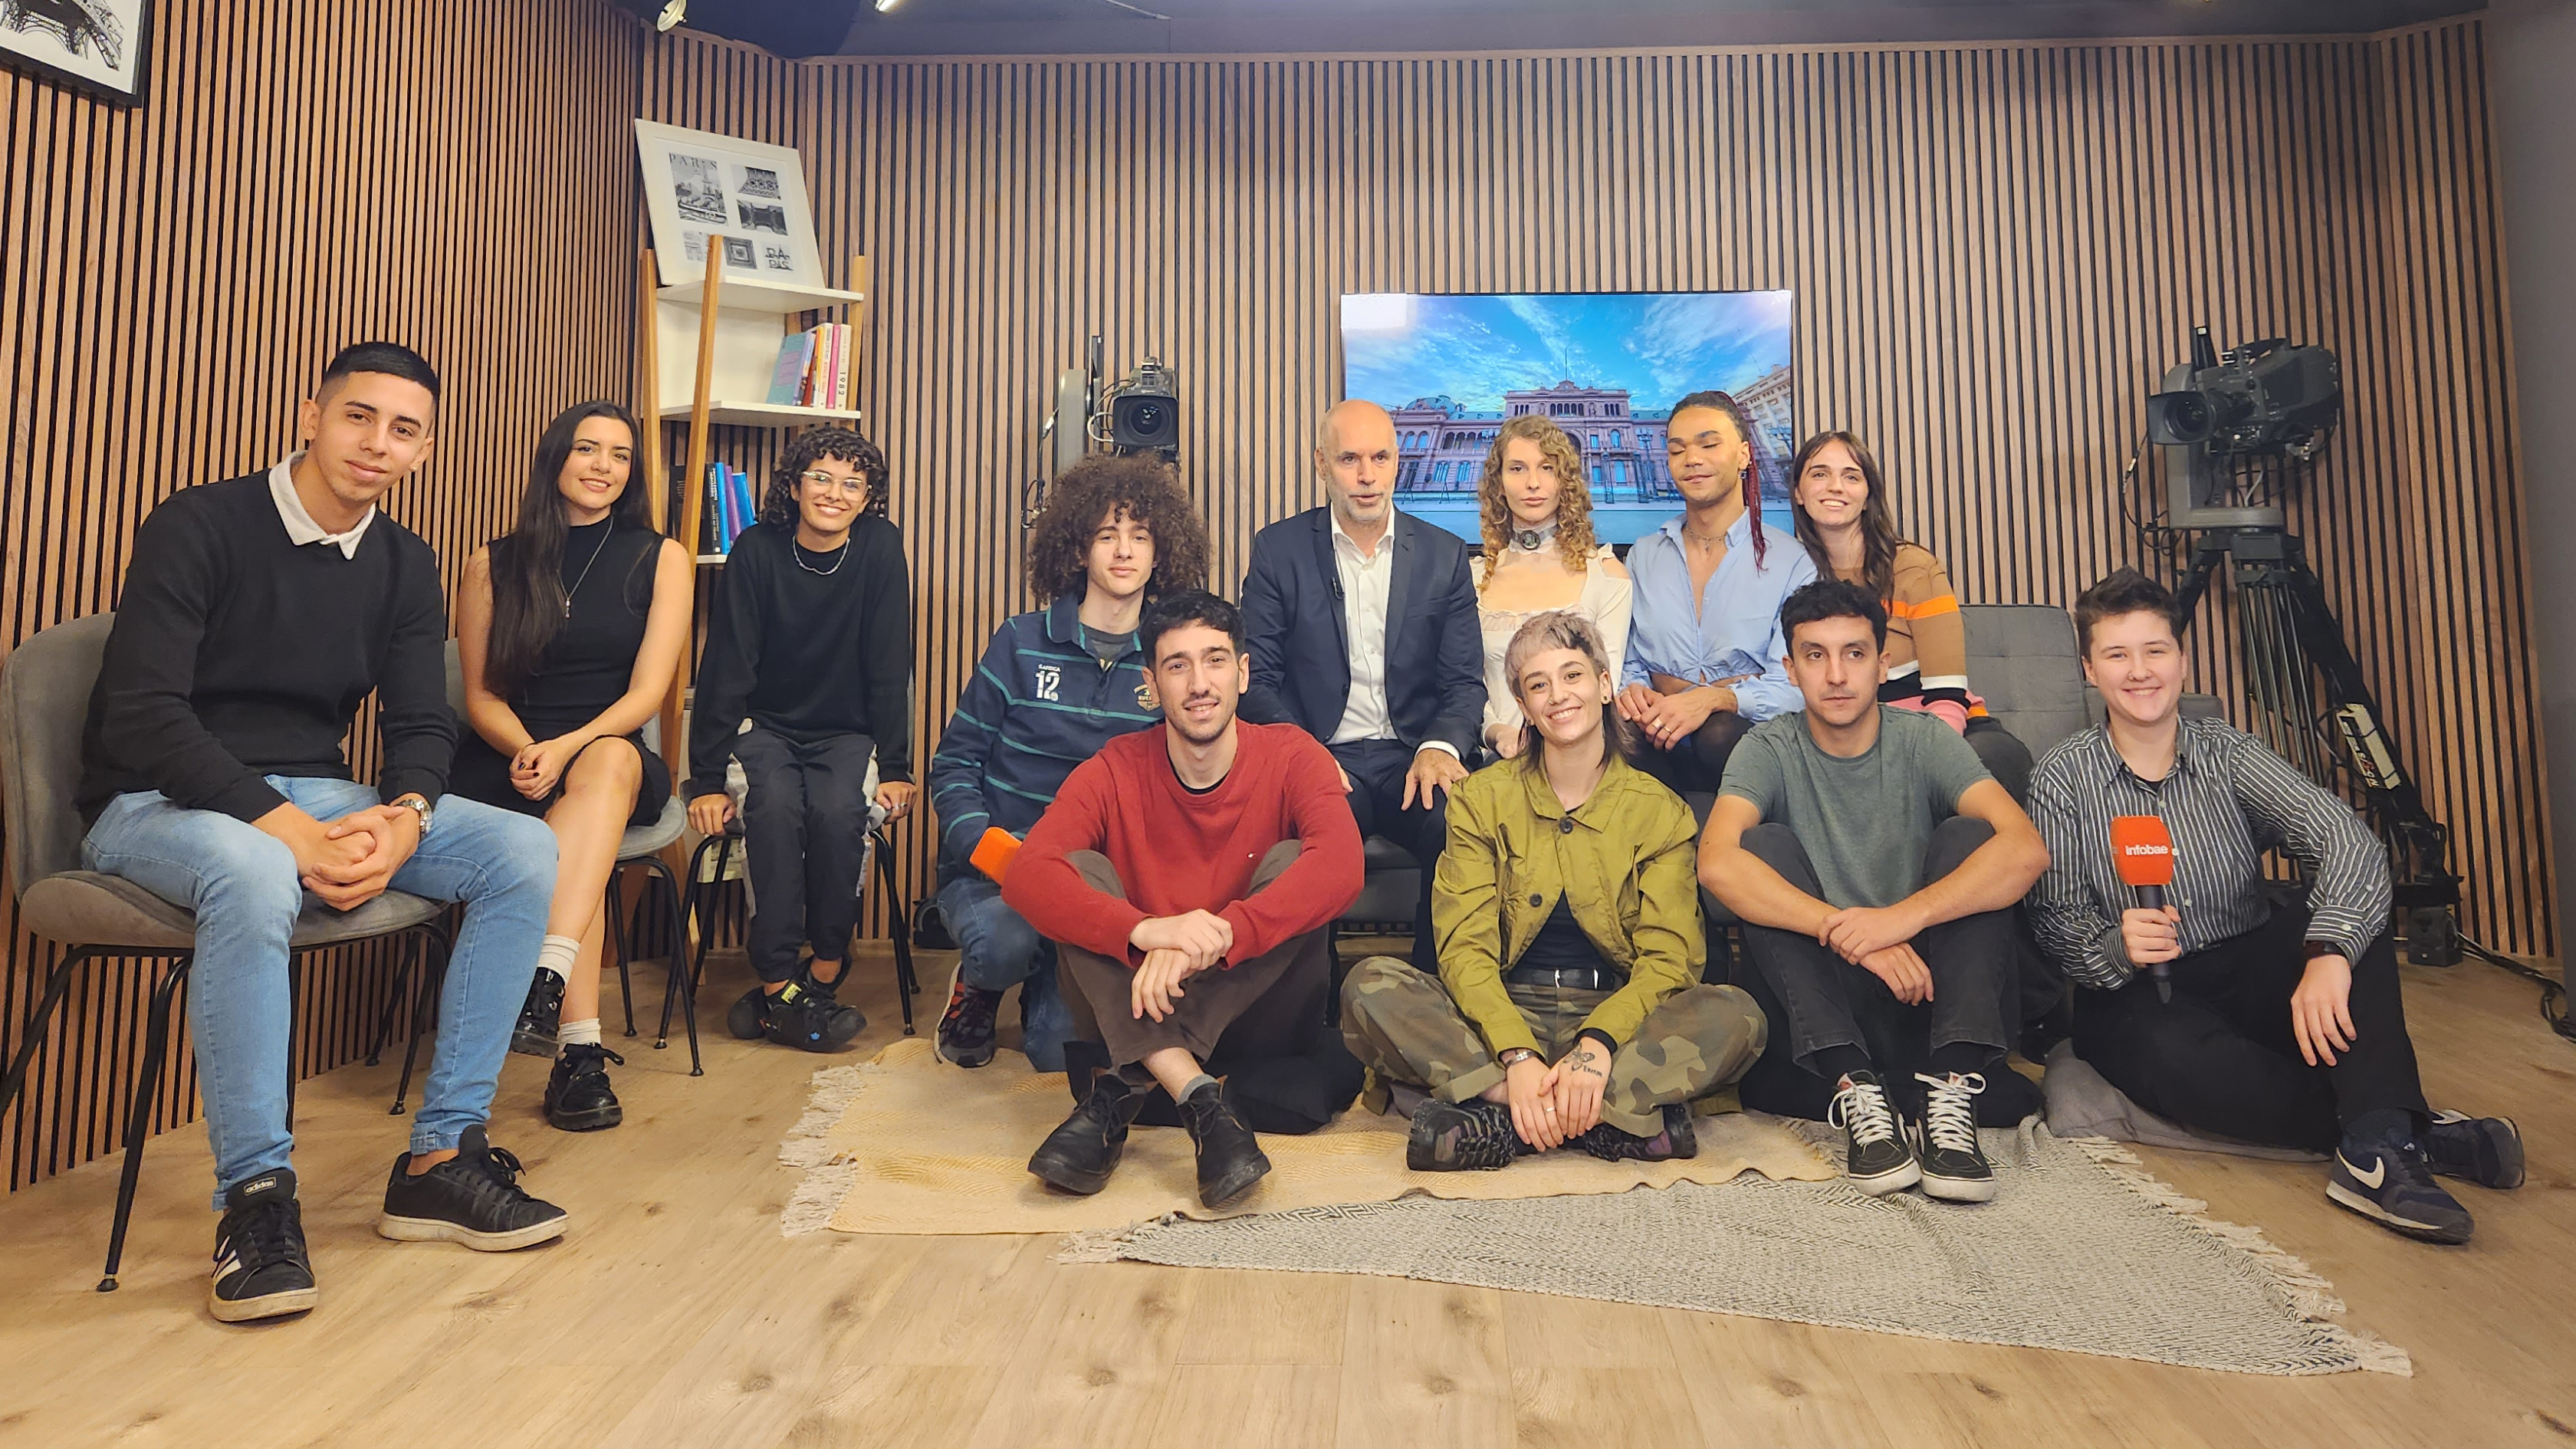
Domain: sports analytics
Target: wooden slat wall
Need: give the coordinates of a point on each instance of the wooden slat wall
(172, 279)
(1996, 251)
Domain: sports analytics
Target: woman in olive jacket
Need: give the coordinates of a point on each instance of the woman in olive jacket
(1568, 1008)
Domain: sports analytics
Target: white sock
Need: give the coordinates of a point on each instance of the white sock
(586, 1032)
(556, 954)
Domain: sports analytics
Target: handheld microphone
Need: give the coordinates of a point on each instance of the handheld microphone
(994, 853)
(2142, 851)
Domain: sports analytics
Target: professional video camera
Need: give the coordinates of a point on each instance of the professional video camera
(2248, 413)
(1138, 415)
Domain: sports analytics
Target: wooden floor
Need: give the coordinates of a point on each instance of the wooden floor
(676, 1314)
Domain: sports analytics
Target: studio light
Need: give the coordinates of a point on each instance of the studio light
(885, 5)
(672, 14)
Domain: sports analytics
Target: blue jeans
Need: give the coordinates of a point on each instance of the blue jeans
(998, 950)
(242, 884)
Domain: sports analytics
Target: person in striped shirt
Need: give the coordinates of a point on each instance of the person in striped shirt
(1055, 685)
(2285, 1024)
(1849, 527)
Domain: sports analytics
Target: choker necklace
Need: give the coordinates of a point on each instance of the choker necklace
(798, 550)
(1531, 540)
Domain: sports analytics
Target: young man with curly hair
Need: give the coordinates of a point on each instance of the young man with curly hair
(810, 641)
(1055, 685)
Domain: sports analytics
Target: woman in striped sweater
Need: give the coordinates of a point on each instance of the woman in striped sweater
(1850, 530)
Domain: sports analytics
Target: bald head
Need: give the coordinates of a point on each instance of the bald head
(1355, 458)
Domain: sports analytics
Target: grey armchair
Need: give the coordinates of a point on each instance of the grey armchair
(44, 702)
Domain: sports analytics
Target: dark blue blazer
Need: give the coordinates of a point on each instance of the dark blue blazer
(1294, 627)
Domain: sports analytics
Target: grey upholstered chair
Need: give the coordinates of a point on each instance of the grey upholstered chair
(641, 849)
(44, 703)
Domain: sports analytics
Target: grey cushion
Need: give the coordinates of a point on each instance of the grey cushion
(2022, 659)
(1391, 891)
(661, 835)
(2083, 1103)
(44, 703)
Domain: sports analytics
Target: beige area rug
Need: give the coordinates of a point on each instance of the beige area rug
(908, 1143)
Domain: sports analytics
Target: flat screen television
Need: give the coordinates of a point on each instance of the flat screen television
(1606, 366)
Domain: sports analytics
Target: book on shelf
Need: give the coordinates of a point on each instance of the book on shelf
(813, 368)
(746, 505)
(795, 357)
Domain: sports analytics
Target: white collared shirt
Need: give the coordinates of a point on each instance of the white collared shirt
(1368, 580)
(300, 527)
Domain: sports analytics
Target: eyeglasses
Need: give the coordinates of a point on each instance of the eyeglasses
(856, 485)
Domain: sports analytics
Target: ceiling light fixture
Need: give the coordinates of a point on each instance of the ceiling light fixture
(672, 14)
(885, 5)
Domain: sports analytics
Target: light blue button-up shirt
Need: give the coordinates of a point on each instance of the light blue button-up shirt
(1734, 629)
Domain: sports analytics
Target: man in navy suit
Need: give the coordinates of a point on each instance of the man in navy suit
(1361, 625)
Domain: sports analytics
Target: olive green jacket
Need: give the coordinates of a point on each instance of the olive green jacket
(1627, 866)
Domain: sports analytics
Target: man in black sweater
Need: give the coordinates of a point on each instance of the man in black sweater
(257, 614)
(806, 679)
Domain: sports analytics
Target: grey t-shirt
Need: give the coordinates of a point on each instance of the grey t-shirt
(1865, 822)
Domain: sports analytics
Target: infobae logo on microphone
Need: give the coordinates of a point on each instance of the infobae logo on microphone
(2142, 850)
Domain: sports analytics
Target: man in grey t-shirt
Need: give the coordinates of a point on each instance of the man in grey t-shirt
(1871, 856)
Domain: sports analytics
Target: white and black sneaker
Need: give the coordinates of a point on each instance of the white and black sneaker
(1876, 1156)
(472, 1198)
(261, 1268)
(1954, 1165)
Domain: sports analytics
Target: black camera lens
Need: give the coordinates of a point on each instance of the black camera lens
(1148, 418)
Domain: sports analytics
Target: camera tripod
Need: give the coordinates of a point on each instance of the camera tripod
(2288, 641)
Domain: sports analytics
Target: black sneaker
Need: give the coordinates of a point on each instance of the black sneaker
(472, 1198)
(1230, 1157)
(748, 1019)
(1876, 1156)
(534, 1036)
(1470, 1136)
(1954, 1166)
(803, 1014)
(1611, 1144)
(2483, 1150)
(578, 1097)
(261, 1268)
(1080, 1153)
(2386, 1176)
(966, 1029)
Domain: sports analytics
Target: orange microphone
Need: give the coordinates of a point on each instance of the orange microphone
(2142, 851)
(994, 853)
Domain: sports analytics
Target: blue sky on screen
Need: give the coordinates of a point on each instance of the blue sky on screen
(1658, 346)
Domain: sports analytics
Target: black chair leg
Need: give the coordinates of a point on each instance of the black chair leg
(618, 938)
(433, 976)
(394, 992)
(678, 986)
(906, 985)
(55, 987)
(156, 1049)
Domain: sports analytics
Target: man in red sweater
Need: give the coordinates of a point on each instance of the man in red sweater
(1189, 876)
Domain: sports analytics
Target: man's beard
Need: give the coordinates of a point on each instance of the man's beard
(1208, 734)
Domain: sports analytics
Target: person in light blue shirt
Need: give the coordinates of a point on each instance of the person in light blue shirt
(1706, 661)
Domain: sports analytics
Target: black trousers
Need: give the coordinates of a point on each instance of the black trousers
(1695, 765)
(1820, 993)
(1259, 1023)
(805, 836)
(2222, 1057)
(1377, 769)
(2004, 756)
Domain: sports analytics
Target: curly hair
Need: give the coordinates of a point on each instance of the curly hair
(1101, 486)
(1574, 505)
(804, 450)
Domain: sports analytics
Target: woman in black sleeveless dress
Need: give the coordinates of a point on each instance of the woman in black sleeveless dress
(570, 628)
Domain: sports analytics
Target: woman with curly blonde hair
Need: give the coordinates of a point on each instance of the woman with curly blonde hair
(1539, 555)
(1054, 686)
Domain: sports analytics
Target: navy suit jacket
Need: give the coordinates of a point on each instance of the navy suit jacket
(1296, 630)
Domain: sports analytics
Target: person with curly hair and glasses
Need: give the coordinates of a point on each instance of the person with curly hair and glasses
(806, 679)
(1539, 556)
(1055, 685)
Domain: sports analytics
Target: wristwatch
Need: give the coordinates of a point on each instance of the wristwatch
(418, 804)
(1514, 1056)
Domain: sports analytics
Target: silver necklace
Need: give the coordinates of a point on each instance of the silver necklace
(585, 571)
(1531, 540)
(798, 550)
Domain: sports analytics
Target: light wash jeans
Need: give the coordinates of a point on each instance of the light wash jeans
(998, 950)
(242, 884)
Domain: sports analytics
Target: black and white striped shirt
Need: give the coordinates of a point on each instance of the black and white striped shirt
(2228, 800)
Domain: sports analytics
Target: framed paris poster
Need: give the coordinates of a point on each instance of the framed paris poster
(98, 46)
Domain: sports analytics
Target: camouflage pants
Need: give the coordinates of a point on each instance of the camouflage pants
(1403, 1025)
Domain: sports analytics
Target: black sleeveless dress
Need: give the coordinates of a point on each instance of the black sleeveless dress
(587, 667)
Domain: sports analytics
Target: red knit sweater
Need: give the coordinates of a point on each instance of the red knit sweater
(1176, 852)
